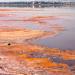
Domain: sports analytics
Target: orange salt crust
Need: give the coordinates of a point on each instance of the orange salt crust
(30, 48)
(23, 58)
(20, 54)
(28, 58)
(15, 34)
(40, 19)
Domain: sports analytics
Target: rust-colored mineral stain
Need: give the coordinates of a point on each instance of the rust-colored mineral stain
(26, 34)
(44, 17)
(19, 53)
(25, 55)
(40, 19)
(20, 57)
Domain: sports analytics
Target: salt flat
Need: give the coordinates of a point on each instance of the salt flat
(37, 41)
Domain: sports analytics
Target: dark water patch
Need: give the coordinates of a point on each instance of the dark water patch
(37, 55)
(56, 59)
(70, 63)
(63, 40)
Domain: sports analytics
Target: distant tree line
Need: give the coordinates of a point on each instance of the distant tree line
(37, 4)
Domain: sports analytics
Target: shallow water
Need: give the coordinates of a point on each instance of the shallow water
(65, 18)
(26, 54)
